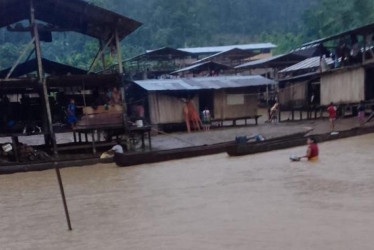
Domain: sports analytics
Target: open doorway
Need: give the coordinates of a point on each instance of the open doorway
(206, 100)
(369, 84)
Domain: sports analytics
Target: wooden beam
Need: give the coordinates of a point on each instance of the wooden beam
(99, 53)
(42, 28)
(119, 54)
(120, 70)
(364, 53)
(41, 79)
(102, 55)
(20, 58)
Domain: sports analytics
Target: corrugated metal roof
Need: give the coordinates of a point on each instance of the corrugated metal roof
(217, 49)
(199, 65)
(309, 63)
(357, 31)
(238, 53)
(199, 83)
(161, 53)
(258, 62)
(287, 59)
(310, 76)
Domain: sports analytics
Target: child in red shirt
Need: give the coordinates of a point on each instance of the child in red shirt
(332, 115)
(312, 151)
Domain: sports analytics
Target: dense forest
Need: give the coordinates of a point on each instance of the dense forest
(187, 23)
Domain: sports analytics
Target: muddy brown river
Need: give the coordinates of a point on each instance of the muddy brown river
(260, 201)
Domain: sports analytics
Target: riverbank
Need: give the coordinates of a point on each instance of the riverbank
(208, 139)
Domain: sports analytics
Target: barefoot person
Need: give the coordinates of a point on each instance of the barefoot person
(70, 113)
(331, 109)
(361, 113)
(206, 119)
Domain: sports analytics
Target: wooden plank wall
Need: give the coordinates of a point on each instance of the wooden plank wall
(343, 86)
(293, 94)
(223, 110)
(165, 109)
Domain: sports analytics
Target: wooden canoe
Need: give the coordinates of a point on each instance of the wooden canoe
(136, 158)
(292, 141)
(282, 142)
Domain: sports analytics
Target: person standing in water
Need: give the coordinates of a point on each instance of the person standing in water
(312, 151)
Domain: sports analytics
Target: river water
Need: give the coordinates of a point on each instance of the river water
(260, 201)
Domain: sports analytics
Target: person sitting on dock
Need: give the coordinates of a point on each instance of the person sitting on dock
(116, 149)
(332, 115)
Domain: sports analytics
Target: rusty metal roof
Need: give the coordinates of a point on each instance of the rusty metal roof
(164, 53)
(201, 66)
(70, 15)
(199, 83)
(217, 49)
(275, 61)
(232, 54)
(309, 63)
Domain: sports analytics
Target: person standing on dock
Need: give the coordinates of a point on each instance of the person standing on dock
(206, 119)
(70, 112)
(274, 112)
(331, 109)
(193, 115)
(186, 117)
(361, 113)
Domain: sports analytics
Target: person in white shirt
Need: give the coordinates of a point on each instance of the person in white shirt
(117, 149)
(111, 152)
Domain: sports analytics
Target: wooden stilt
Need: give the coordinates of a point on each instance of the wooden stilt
(120, 71)
(102, 55)
(42, 81)
(20, 58)
(98, 54)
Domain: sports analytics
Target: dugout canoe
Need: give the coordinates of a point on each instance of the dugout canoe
(282, 142)
(292, 141)
(136, 158)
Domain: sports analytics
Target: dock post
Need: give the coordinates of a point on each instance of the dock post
(43, 83)
(62, 191)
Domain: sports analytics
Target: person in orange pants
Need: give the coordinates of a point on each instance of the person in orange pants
(186, 117)
(194, 116)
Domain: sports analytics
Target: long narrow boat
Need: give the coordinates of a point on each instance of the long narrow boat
(232, 148)
(293, 140)
(296, 140)
(136, 158)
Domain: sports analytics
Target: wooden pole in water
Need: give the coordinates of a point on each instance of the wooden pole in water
(120, 70)
(62, 191)
(43, 82)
